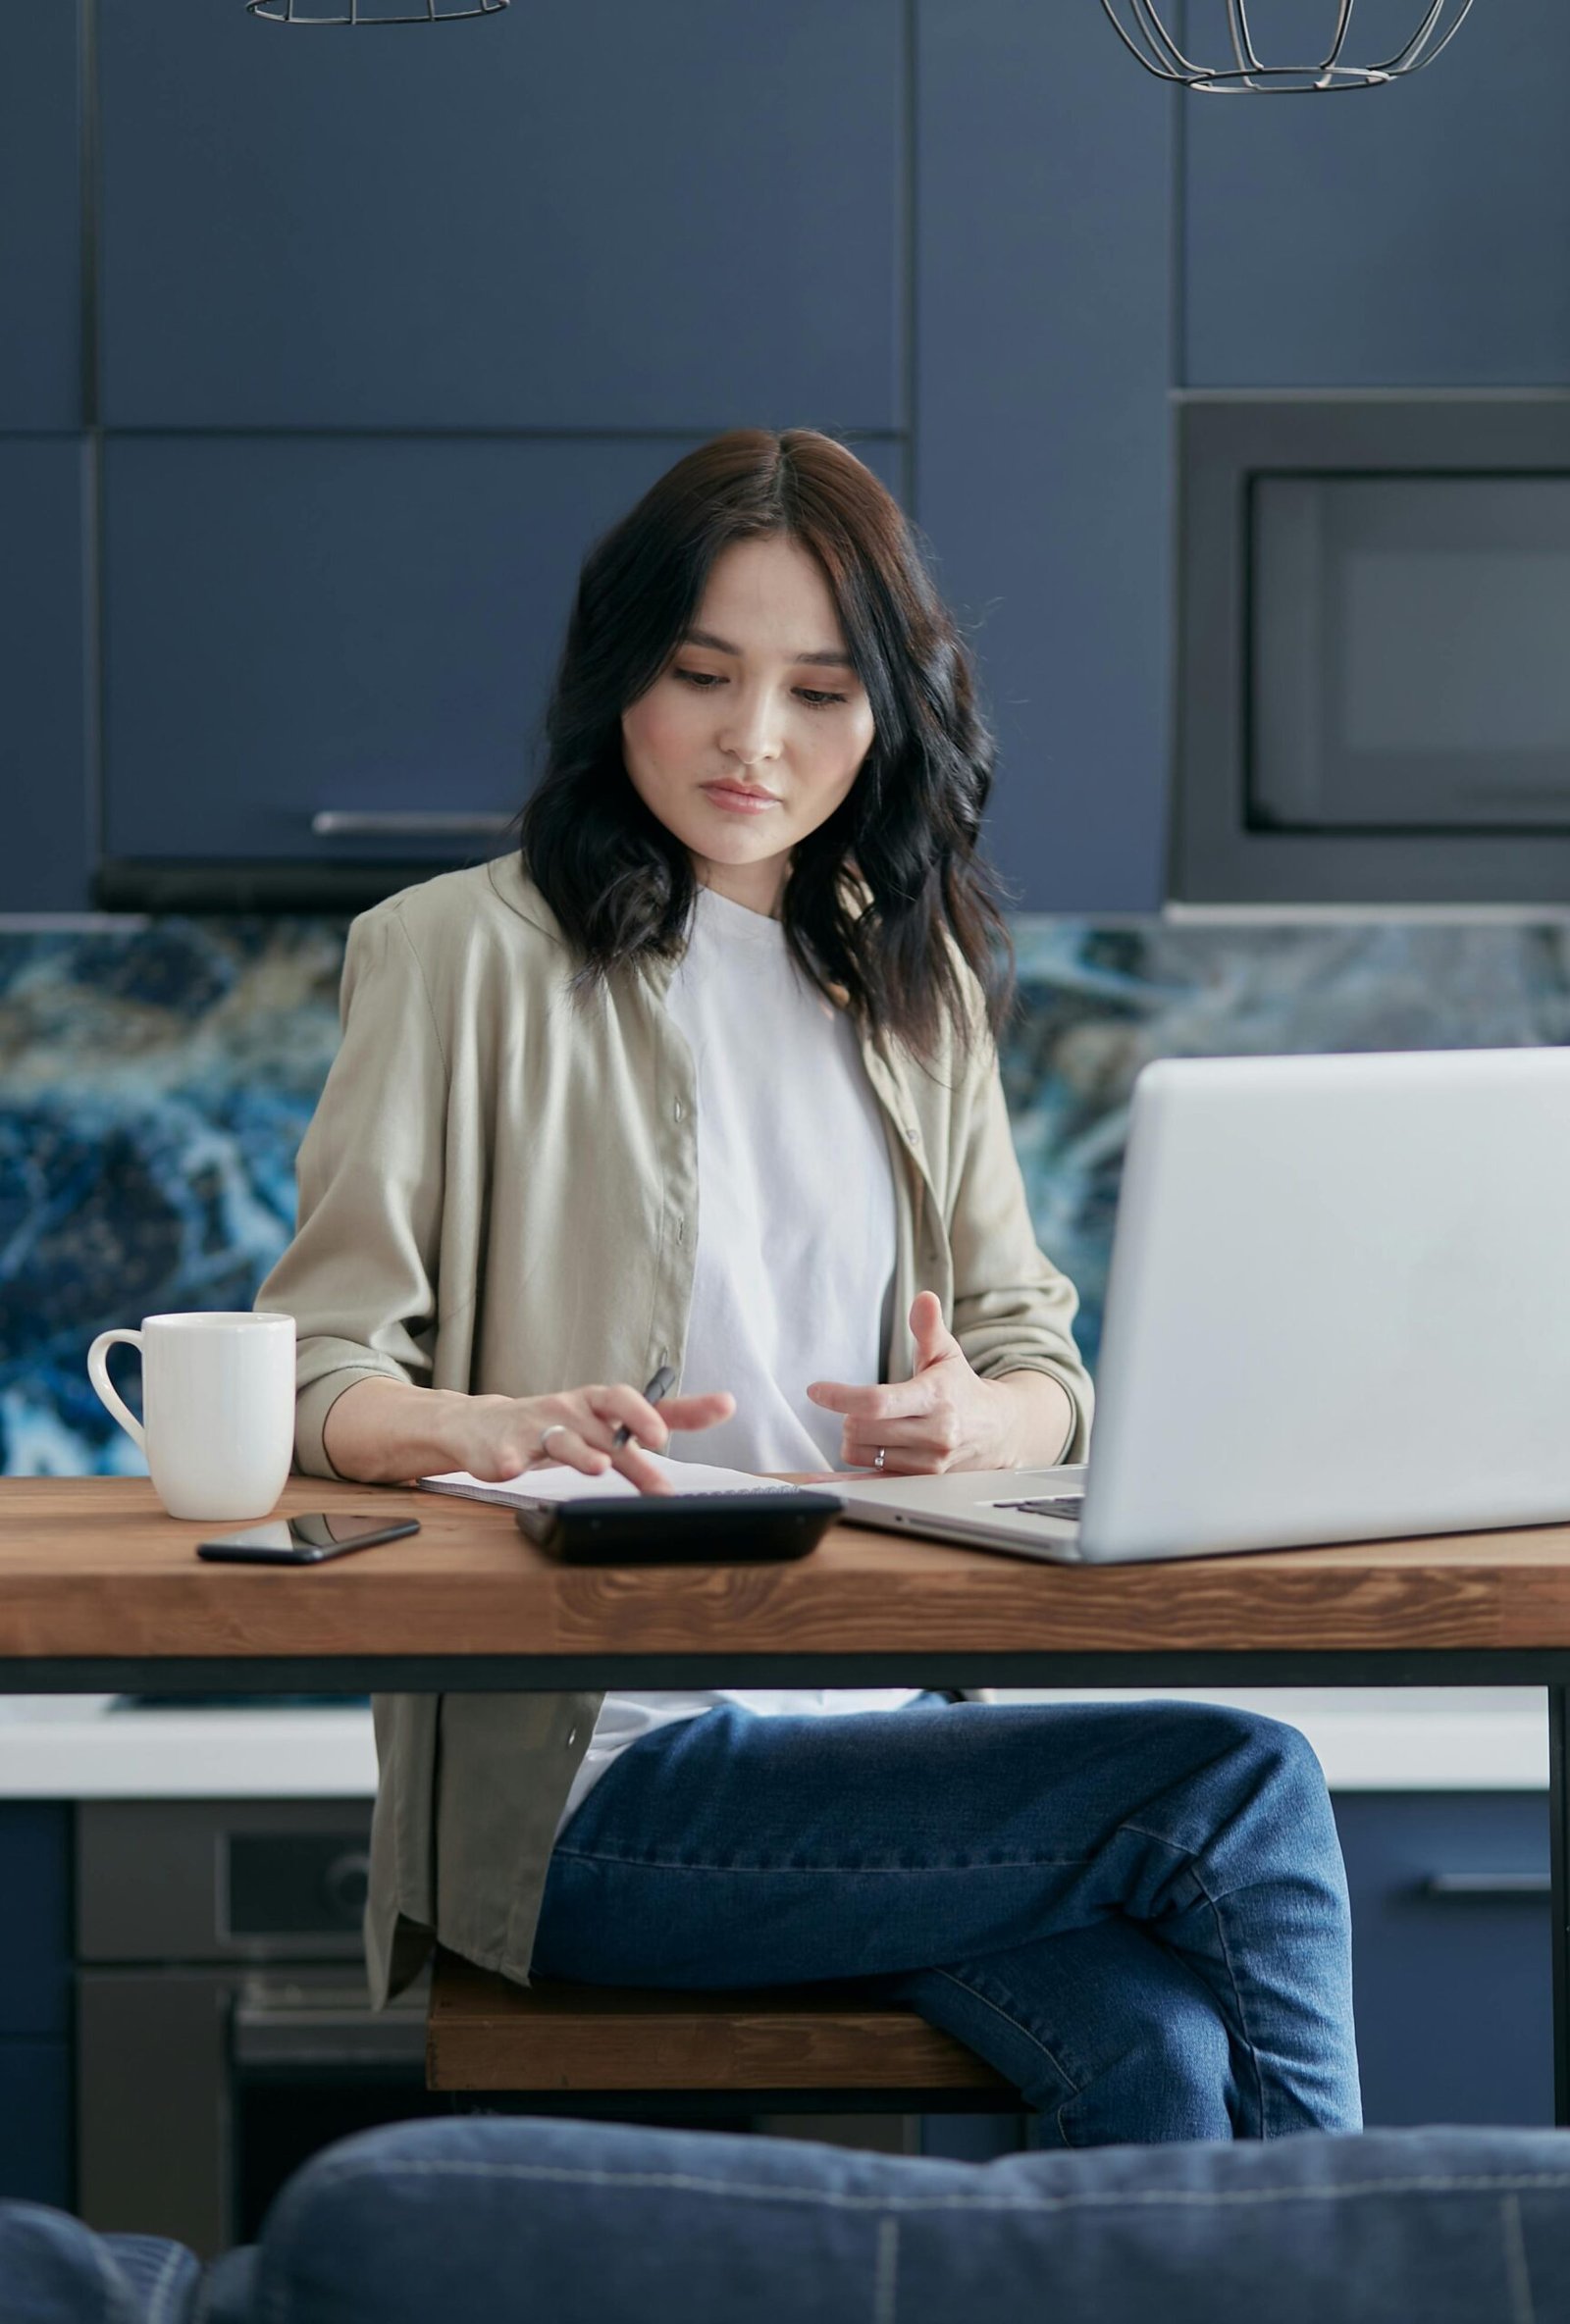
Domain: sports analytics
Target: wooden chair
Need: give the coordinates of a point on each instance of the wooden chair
(599, 2050)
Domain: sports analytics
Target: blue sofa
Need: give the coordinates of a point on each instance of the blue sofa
(478, 2221)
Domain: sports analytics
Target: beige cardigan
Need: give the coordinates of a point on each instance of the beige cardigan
(498, 1194)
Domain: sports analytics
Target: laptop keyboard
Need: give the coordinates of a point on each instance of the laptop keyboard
(1067, 1505)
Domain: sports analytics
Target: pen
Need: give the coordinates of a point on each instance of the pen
(662, 1384)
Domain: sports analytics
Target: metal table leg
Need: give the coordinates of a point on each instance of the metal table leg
(1559, 1857)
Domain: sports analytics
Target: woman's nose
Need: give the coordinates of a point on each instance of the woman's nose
(752, 730)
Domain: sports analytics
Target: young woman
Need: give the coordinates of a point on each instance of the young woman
(706, 1077)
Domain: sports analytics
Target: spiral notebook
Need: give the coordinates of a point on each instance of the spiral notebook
(544, 1487)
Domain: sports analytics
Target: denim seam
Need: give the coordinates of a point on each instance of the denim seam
(1161, 1841)
(331, 2175)
(161, 2284)
(917, 1870)
(1076, 2088)
(1517, 2274)
(111, 2275)
(886, 2277)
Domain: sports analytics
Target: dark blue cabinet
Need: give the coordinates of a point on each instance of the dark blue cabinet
(36, 2115)
(40, 218)
(1414, 235)
(305, 625)
(35, 1994)
(44, 705)
(1043, 308)
(35, 1939)
(1451, 1961)
(969, 231)
(682, 216)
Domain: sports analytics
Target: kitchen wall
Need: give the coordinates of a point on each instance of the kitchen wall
(157, 1078)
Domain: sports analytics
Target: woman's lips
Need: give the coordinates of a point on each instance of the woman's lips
(736, 801)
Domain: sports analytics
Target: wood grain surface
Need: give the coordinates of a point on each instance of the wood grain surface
(485, 2033)
(92, 1566)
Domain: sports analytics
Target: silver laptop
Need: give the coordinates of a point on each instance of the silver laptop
(1338, 1310)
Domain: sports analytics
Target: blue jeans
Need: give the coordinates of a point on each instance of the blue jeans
(1137, 1913)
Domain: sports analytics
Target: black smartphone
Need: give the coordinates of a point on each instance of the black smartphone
(681, 1529)
(305, 1540)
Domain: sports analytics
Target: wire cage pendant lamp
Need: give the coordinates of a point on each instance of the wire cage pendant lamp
(371, 12)
(1238, 65)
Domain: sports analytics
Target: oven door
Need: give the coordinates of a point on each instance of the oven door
(1409, 668)
(224, 2029)
(1373, 689)
(199, 2090)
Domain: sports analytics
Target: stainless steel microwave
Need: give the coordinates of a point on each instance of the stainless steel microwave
(1373, 649)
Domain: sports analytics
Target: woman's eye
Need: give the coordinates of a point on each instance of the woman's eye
(815, 697)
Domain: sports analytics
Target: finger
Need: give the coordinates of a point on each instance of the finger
(623, 1408)
(605, 1410)
(919, 1458)
(910, 1435)
(895, 1400)
(582, 1449)
(697, 1412)
(570, 1449)
(639, 1468)
(898, 1460)
(681, 1411)
(933, 1336)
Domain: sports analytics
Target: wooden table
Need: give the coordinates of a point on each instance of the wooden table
(100, 1592)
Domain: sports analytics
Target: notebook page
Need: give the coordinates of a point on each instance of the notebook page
(571, 1484)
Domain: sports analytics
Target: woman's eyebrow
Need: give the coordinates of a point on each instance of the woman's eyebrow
(828, 657)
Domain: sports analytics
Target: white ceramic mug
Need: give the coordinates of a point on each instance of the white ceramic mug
(218, 1391)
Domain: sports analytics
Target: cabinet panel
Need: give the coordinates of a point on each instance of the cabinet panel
(43, 662)
(622, 216)
(1453, 1987)
(36, 2136)
(1044, 161)
(316, 624)
(1413, 236)
(40, 218)
(35, 1930)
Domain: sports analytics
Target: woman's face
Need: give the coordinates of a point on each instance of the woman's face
(754, 732)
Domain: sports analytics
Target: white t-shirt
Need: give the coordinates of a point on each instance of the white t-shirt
(794, 1268)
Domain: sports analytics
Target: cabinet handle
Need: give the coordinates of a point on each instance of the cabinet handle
(292, 2024)
(1486, 1883)
(403, 822)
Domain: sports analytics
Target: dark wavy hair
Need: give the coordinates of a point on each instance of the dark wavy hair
(889, 896)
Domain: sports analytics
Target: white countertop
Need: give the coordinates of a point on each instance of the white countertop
(1420, 1738)
(77, 1747)
(1387, 1739)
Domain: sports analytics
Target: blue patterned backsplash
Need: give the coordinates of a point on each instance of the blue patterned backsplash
(155, 1079)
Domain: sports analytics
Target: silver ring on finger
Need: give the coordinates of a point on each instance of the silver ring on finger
(881, 1455)
(557, 1428)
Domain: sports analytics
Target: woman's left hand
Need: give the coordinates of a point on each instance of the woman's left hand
(944, 1417)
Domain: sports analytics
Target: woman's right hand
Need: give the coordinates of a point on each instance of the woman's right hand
(500, 1436)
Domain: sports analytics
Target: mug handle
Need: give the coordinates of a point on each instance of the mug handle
(98, 1374)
